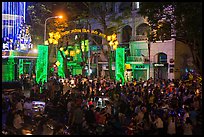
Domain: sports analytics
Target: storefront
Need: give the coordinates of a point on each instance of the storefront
(15, 64)
(160, 70)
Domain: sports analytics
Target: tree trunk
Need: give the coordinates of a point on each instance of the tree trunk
(66, 70)
(110, 63)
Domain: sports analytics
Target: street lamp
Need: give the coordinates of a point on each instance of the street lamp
(46, 23)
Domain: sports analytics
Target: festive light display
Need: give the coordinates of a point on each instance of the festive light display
(42, 64)
(9, 75)
(61, 65)
(85, 45)
(120, 64)
(13, 16)
(20, 67)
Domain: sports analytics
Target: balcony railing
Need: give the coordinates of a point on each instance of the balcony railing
(141, 59)
(141, 37)
(135, 59)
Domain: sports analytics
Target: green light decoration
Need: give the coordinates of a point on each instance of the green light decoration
(77, 57)
(85, 45)
(61, 66)
(42, 64)
(20, 67)
(120, 64)
(9, 69)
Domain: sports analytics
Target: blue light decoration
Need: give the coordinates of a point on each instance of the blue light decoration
(13, 16)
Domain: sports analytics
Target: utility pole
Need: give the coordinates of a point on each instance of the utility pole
(97, 62)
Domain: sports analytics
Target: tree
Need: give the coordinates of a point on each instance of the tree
(103, 13)
(38, 12)
(181, 20)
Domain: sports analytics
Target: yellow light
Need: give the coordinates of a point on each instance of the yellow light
(51, 34)
(50, 40)
(109, 38)
(127, 66)
(46, 42)
(55, 42)
(61, 49)
(72, 53)
(114, 36)
(66, 52)
(114, 47)
(57, 35)
(57, 63)
(116, 43)
(111, 43)
(60, 17)
(77, 51)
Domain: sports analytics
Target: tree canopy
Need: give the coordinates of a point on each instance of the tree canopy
(182, 20)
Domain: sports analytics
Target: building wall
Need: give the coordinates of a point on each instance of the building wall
(167, 47)
(183, 59)
(173, 50)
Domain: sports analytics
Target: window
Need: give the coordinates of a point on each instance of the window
(125, 5)
(162, 58)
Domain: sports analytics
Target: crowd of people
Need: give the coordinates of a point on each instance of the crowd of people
(159, 107)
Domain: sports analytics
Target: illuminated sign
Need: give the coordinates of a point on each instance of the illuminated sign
(158, 65)
(84, 31)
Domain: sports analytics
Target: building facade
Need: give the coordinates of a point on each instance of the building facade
(18, 58)
(145, 59)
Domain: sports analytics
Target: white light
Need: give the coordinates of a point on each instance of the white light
(35, 50)
(60, 17)
(90, 71)
(76, 37)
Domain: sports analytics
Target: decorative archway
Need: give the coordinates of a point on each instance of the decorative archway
(97, 39)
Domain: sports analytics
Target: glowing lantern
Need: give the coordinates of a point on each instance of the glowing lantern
(114, 36)
(66, 52)
(57, 63)
(109, 38)
(50, 40)
(77, 51)
(51, 34)
(72, 53)
(111, 43)
(61, 49)
(116, 43)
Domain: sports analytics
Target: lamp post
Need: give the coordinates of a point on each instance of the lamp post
(46, 23)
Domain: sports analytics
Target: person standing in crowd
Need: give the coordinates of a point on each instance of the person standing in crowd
(90, 116)
(18, 121)
(159, 125)
(19, 105)
(187, 127)
(171, 126)
(77, 119)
